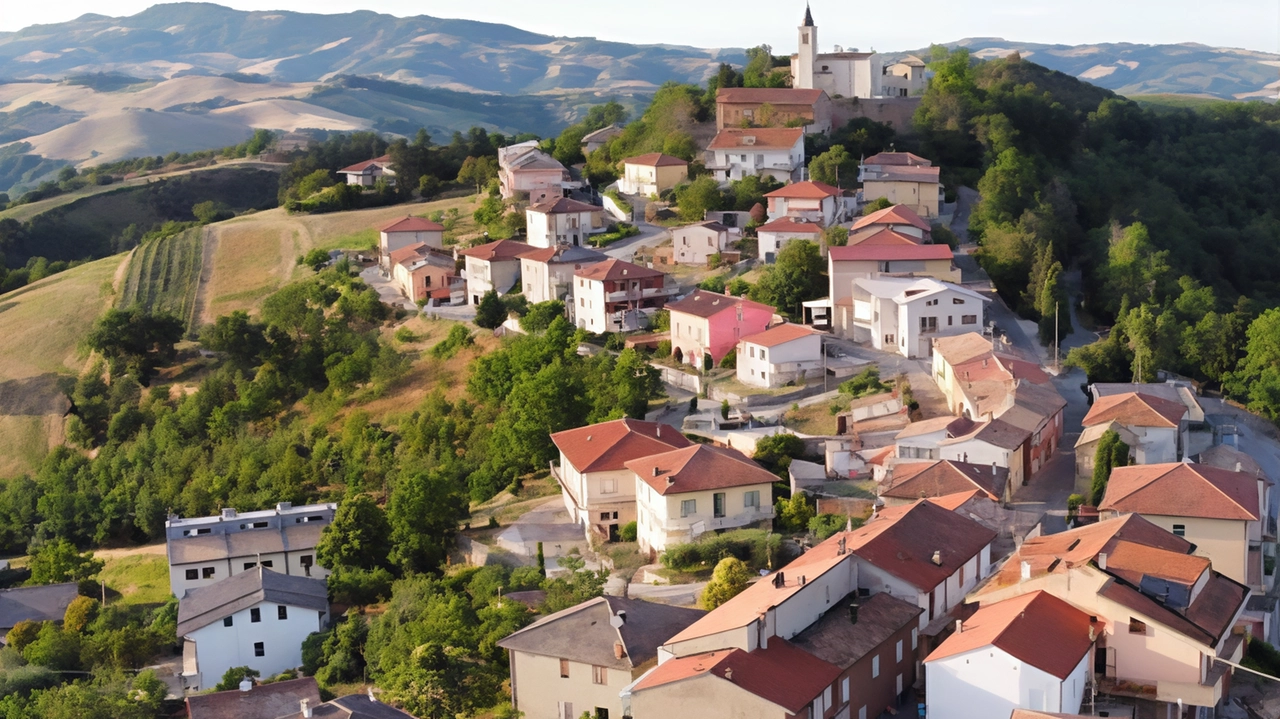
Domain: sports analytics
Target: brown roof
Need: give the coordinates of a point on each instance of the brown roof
(837, 640)
(564, 254)
(884, 236)
(655, 159)
(959, 349)
(698, 468)
(608, 446)
(905, 173)
(1132, 560)
(996, 432)
(903, 541)
(497, 251)
(897, 159)
(771, 95)
(874, 251)
(807, 190)
(263, 701)
(918, 480)
(362, 166)
(411, 224)
(704, 303)
(781, 334)
(955, 427)
(564, 206)
(762, 138)
(953, 502)
(782, 674)
(1037, 628)
(1181, 489)
(790, 224)
(1224, 456)
(613, 269)
(1135, 409)
(895, 215)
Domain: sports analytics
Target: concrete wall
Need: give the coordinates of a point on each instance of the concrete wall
(692, 245)
(219, 647)
(540, 692)
(897, 112)
(704, 696)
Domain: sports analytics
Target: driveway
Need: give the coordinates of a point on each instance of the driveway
(389, 293)
(680, 595)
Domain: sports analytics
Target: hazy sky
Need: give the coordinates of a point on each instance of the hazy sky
(1252, 24)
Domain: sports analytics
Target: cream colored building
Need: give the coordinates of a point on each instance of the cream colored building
(915, 187)
(547, 274)
(561, 221)
(695, 244)
(684, 493)
(904, 78)
(781, 354)
(599, 491)
(841, 73)
(581, 659)
(652, 174)
(494, 266)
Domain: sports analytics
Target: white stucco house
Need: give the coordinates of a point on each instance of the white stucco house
(808, 201)
(773, 236)
(845, 72)
(736, 153)
(405, 232)
(206, 550)
(255, 619)
(493, 266)
(547, 273)
(903, 315)
(779, 355)
(1032, 652)
(684, 493)
(561, 221)
(367, 173)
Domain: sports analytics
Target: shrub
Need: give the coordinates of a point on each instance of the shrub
(404, 334)
(730, 360)
(793, 515)
(756, 547)
(22, 634)
(864, 383)
(358, 586)
(664, 348)
(491, 312)
(730, 577)
(79, 613)
(458, 338)
(232, 677)
(628, 532)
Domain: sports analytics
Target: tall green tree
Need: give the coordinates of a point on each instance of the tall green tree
(795, 277)
(833, 167)
(358, 536)
(490, 313)
(729, 578)
(59, 561)
(424, 511)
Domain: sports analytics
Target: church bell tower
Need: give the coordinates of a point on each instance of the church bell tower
(808, 53)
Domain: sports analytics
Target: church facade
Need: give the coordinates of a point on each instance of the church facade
(840, 73)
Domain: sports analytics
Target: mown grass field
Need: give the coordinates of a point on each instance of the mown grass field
(164, 275)
(140, 578)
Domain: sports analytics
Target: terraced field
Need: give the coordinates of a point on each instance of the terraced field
(164, 276)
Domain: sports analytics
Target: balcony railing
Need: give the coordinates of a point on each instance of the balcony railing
(643, 293)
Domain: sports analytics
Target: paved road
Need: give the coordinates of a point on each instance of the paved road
(650, 235)
(681, 595)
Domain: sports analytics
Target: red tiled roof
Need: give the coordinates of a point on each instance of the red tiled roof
(698, 468)
(887, 236)
(782, 674)
(1131, 561)
(958, 349)
(771, 95)
(1037, 628)
(787, 224)
(896, 159)
(498, 250)
(608, 446)
(1134, 409)
(614, 269)
(807, 190)
(704, 303)
(563, 206)
(781, 334)
(903, 540)
(996, 432)
(955, 426)
(895, 215)
(362, 166)
(764, 138)
(564, 254)
(952, 502)
(411, 224)
(918, 480)
(863, 252)
(1180, 489)
(404, 253)
(655, 159)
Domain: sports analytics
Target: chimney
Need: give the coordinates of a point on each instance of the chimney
(246, 684)
(937, 557)
(728, 673)
(1102, 561)
(802, 580)
(853, 612)
(622, 616)
(618, 651)
(671, 481)
(1026, 570)
(282, 506)
(655, 471)
(658, 432)
(840, 547)
(779, 580)
(1239, 467)
(228, 513)
(306, 708)
(993, 469)
(959, 626)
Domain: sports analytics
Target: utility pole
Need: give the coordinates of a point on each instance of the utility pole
(1056, 369)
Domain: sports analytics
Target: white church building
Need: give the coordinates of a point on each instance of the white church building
(840, 73)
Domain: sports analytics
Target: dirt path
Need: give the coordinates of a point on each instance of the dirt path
(117, 281)
(209, 248)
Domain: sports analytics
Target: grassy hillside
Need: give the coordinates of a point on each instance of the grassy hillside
(164, 275)
(41, 328)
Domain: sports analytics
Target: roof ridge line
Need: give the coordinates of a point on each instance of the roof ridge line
(1192, 465)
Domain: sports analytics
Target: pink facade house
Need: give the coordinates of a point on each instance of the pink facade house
(710, 324)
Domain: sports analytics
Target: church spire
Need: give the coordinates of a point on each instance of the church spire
(808, 16)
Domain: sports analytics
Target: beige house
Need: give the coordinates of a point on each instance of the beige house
(369, 172)
(560, 221)
(695, 244)
(423, 273)
(1157, 426)
(406, 231)
(527, 173)
(684, 493)
(773, 236)
(903, 179)
(493, 266)
(899, 218)
(581, 659)
(547, 273)
(652, 174)
(781, 354)
(1217, 510)
(777, 152)
(904, 78)
(1166, 614)
(599, 490)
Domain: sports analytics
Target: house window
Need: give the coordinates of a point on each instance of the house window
(599, 675)
(762, 353)
(957, 301)
(1137, 626)
(255, 615)
(950, 320)
(844, 690)
(751, 500)
(928, 324)
(604, 515)
(608, 486)
(564, 668)
(282, 612)
(915, 639)
(898, 651)
(1180, 530)
(259, 649)
(931, 303)
(228, 621)
(752, 352)
(875, 666)
(306, 561)
(602, 713)
(888, 339)
(206, 572)
(717, 501)
(688, 507)
(968, 319)
(193, 574)
(961, 575)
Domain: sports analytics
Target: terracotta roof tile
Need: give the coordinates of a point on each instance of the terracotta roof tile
(704, 303)
(869, 252)
(895, 215)
(614, 269)
(1132, 560)
(903, 541)
(1181, 489)
(1135, 409)
(362, 166)
(655, 159)
(771, 138)
(807, 190)
(771, 95)
(411, 224)
(790, 224)
(884, 236)
(781, 334)
(608, 446)
(919, 480)
(498, 251)
(698, 468)
(897, 159)
(1037, 628)
(564, 206)
(959, 349)
(953, 502)
(955, 427)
